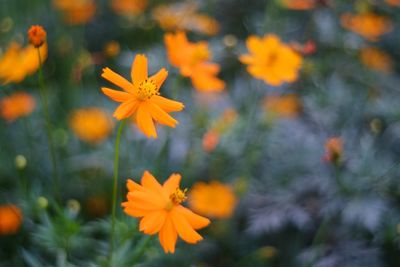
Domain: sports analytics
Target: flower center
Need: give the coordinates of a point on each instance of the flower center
(271, 59)
(200, 54)
(178, 196)
(147, 89)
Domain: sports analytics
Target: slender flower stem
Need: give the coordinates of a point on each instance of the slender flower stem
(46, 114)
(115, 187)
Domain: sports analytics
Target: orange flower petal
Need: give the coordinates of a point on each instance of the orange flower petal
(135, 212)
(160, 77)
(139, 69)
(132, 186)
(152, 222)
(146, 200)
(184, 229)
(168, 236)
(161, 116)
(148, 181)
(145, 122)
(126, 109)
(196, 221)
(172, 183)
(167, 104)
(115, 95)
(118, 80)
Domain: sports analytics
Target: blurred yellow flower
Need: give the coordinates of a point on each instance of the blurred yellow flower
(76, 11)
(159, 207)
(193, 60)
(18, 104)
(128, 7)
(368, 25)
(393, 2)
(333, 150)
(214, 199)
(271, 60)
(92, 125)
(18, 62)
(37, 35)
(141, 97)
(287, 106)
(10, 219)
(184, 16)
(376, 59)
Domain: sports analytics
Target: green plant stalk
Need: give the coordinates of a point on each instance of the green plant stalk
(115, 188)
(46, 114)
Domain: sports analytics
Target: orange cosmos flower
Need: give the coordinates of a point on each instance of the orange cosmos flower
(393, 2)
(214, 199)
(16, 105)
(299, 4)
(18, 62)
(10, 219)
(76, 11)
(287, 106)
(160, 210)
(141, 97)
(92, 125)
(376, 59)
(128, 7)
(193, 61)
(368, 25)
(271, 60)
(37, 35)
(184, 16)
(334, 150)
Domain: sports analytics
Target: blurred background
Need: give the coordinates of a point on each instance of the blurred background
(304, 173)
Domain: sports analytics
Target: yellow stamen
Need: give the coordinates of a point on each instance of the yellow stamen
(178, 196)
(147, 89)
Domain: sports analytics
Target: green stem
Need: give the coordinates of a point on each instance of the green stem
(115, 188)
(46, 114)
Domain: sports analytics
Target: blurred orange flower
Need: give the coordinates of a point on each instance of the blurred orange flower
(97, 206)
(92, 125)
(18, 62)
(376, 59)
(112, 49)
(214, 199)
(368, 25)
(76, 11)
(37, 35)
(18, 104)
(218, 127)
(128, 7)
(210, 140)
(160, 210)
(393, 2)
(287, 106)
(193, 61)
(184, 16)
(141, 97)
(299, 4)
(10, 219)
(334, 150)
(271, 60)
